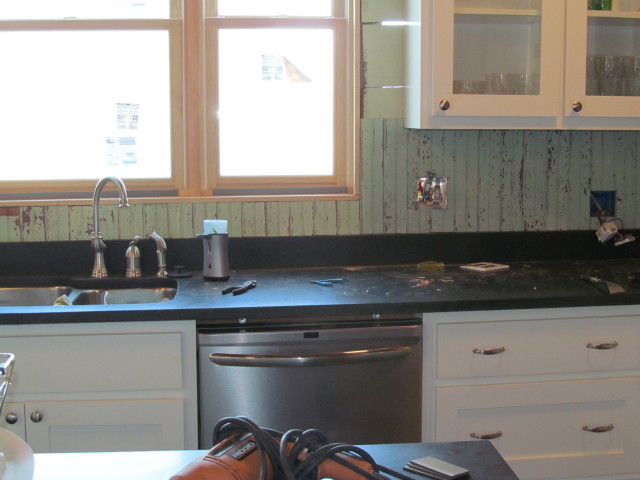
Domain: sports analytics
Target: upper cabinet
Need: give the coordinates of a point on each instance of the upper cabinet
(602, 76)
(522, 64)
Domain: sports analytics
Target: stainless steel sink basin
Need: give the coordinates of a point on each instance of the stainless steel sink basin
(40, 291)
(121, 296)
(31, 296)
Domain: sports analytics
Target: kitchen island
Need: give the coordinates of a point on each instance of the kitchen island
(480, 458)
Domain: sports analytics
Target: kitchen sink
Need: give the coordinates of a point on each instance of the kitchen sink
(123, 296)
(31, 296)
(25, 292)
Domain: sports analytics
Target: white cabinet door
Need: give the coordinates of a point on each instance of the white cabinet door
(539, 426)
(508, 49)
(602, 65)
(102, 426)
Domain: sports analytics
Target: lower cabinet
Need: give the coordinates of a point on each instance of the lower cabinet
(121, 386)
(82, 426)
(556, 391)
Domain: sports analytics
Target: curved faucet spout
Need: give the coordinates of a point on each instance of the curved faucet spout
(99, 268)
(161, 250)
(97, 192)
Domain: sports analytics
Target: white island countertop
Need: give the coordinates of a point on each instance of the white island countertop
(159, 465)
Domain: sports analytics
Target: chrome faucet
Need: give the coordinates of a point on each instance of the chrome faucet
(161, 250)
(99, 268)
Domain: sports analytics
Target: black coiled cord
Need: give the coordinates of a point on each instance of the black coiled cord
(264, 438)
(285, 464)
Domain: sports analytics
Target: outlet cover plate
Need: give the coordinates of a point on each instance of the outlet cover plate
(602, 203)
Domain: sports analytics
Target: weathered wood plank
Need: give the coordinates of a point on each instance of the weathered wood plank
(56, 220)
(625, 171)
(200, 214)
(10, 224)
(472, 176)
(284, 219)
(80, 222)
(580, 180)
(458, 183)
(260, 222)
(438, 153)
(389, 180)
(563, 151)
(429, 138)
(307, 218)
(31, 224)
(272, 219)
(235, 219)
(413, 173)
(366, 168)
(552, 177)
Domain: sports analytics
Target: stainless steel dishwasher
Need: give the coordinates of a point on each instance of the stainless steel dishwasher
(358, 382)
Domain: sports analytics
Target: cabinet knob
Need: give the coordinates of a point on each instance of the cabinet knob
(11, 418)
(36, 417)
(486, 436)
(576, 106)
(444, 105)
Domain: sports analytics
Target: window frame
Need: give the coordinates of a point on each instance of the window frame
(194, 132)
(57, 189)
(344, 21)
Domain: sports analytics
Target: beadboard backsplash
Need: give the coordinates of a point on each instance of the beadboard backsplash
(498, 181)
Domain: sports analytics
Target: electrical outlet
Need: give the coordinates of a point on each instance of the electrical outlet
(602, 203)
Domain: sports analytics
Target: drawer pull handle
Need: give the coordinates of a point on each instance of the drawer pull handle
(489, 351)
(600, 429)
(602, 346)
(486, 436)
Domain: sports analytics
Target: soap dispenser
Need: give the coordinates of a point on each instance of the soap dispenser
(133, 259)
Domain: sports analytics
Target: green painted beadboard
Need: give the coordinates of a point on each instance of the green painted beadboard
(505, 180)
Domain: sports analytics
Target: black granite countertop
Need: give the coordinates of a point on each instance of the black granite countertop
(365, 291)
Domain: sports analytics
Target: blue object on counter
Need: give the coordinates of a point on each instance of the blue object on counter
(327, 282)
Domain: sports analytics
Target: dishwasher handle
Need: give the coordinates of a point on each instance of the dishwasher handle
(322, 359)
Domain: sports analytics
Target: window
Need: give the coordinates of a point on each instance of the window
(201, 98)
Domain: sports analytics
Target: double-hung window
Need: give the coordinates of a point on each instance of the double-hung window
(90, 88)
(191, 98)
(280, 96)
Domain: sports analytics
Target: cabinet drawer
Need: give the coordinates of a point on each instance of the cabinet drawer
(537, 347)
(541, 424)
(95, 363)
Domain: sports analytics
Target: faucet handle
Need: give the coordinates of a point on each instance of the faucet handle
(133, 259)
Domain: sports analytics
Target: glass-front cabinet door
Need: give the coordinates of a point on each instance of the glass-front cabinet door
(497, 57)
(602, 59)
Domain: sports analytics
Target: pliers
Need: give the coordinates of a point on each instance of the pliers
(328, 282)
(237, 290)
